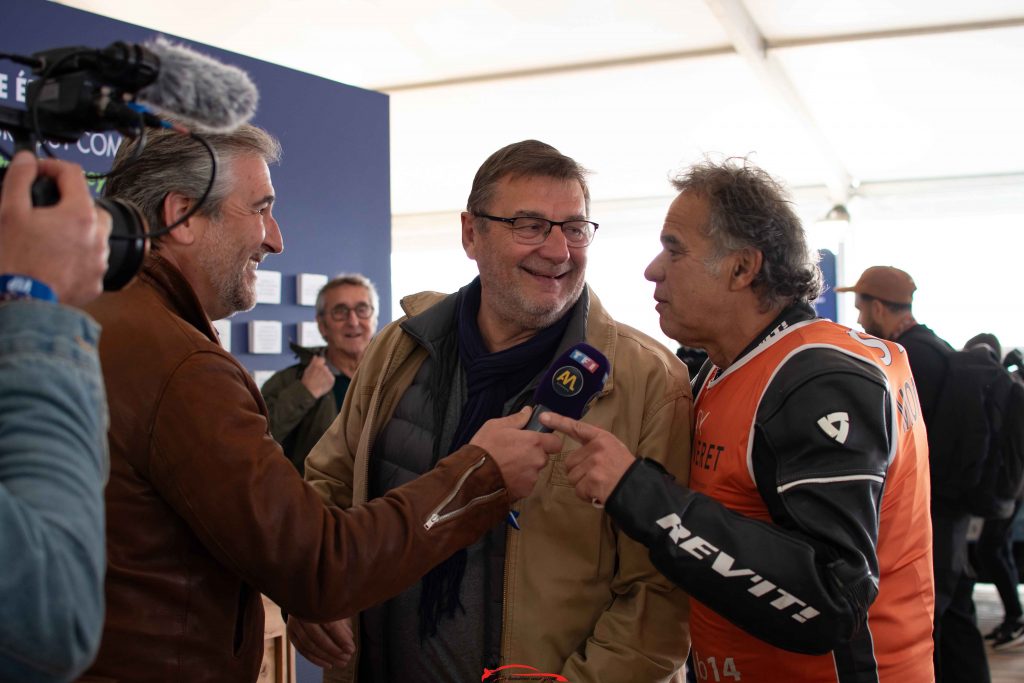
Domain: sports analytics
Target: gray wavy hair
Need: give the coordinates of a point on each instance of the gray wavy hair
(172, 162)
(749, 208)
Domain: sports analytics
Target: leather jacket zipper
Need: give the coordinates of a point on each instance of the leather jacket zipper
(436, 517)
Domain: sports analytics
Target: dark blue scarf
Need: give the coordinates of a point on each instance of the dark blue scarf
(492, 380)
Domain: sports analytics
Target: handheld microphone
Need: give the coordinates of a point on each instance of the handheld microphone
(569, 385)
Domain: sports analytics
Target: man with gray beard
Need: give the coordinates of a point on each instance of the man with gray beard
(561, 590)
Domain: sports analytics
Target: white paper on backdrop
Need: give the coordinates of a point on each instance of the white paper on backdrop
(223, 328)
(261, 376)
(264, 336)
(309, 335)
(268, 287)
(307, 286)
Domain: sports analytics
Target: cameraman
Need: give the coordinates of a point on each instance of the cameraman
(53, 420)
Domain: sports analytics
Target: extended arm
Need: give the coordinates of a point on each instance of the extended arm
(249, 507)
(246, 503)
(804, 581)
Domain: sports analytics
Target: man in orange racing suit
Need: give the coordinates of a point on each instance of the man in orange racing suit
(803, 537)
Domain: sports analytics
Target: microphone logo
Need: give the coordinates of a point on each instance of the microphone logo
(586, 361)
(567, 381)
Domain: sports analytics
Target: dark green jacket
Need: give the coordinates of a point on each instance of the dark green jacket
(297, 420)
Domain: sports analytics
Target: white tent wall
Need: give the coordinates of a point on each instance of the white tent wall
(909, 111)
(963, 242)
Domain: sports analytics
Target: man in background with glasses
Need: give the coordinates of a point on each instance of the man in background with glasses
(559, 589)
(304, 399)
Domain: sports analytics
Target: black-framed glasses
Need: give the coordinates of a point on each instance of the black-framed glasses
(534, 230)
(341, 312)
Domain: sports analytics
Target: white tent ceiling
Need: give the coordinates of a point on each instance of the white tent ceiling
(824, 93)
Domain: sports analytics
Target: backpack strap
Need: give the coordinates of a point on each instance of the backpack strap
(947, 354)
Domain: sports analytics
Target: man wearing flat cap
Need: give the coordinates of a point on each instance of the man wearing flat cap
(884, 298)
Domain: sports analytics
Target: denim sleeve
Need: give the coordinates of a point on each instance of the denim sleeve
(53, 465)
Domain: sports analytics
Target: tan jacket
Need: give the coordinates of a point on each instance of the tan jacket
(204, 512)
(582, 599)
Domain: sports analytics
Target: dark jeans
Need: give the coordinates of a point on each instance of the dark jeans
(959, 648)
(995, 555)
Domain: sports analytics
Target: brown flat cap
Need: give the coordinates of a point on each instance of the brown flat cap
(885, 283)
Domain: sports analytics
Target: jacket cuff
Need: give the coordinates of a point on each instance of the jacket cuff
(638, 499)
(44, 318)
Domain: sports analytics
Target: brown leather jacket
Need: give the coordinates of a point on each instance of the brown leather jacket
(204, 512)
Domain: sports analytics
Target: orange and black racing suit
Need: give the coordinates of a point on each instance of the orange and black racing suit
(804, 538)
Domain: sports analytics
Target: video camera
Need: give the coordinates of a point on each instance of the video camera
(82, 89)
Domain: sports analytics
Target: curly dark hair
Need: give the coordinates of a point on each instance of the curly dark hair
(749, 208)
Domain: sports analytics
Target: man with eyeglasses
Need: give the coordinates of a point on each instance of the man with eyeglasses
(304, 399)
(559, 589)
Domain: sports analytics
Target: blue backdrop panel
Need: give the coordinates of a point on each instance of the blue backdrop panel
(825, 305)
(332, 184)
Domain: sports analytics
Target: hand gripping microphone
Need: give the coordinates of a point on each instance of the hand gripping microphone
(569, 385)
